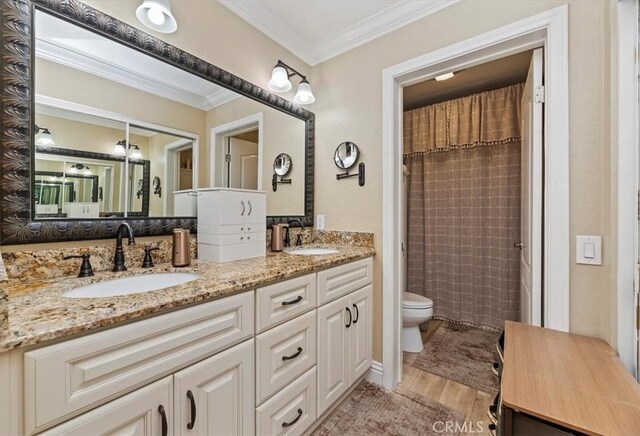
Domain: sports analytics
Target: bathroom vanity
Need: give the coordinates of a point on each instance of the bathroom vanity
(268, 355)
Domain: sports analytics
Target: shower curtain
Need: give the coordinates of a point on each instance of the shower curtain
(463, 203)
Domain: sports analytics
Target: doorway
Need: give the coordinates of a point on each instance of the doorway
(548, 30)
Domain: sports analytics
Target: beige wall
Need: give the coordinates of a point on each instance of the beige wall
(348, 89)
(281, 133)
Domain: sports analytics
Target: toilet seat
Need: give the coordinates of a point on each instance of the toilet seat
(415, 301)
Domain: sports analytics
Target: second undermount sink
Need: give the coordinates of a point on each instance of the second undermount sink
(131, 285)
(312, 251)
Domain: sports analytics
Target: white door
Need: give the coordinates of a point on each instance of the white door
(531, 219)
(360, 333)
(216, 396)
(333, 360)
(145, 412)
(249, 171)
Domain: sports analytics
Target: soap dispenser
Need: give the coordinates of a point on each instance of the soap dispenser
(181, 254)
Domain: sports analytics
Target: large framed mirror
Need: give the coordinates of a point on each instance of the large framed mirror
(96, 111)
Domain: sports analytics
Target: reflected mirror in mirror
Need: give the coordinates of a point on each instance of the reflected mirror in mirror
(346, 155)
(282, 164)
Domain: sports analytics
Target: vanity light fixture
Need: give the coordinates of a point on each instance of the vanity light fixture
(77, 167)
(135, 152)
(280, 83)
(119, 149)
(45, 138)
(445, 76)
(156, 15)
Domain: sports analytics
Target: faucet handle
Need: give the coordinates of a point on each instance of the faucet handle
(85, 268)
(148, 260)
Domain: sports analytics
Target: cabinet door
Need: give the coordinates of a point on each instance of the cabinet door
(333, 359)
(219, 391)
(137, 413)
(360, 333)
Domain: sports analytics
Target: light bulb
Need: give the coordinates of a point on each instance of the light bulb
(119, 150)
(45, 139)
(135, 153)
(279, 80)
(156, 16)
(304, 94)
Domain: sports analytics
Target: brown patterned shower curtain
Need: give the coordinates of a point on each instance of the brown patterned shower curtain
(463, 203)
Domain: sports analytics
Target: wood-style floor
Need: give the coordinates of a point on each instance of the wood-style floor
(473, 403)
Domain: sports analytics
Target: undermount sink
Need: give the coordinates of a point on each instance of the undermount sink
(312, 251)
(131, 285)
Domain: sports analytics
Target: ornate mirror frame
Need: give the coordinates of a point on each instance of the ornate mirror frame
(17, 155)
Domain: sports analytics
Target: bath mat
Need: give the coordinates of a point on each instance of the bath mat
(373, 410)
(463, 354)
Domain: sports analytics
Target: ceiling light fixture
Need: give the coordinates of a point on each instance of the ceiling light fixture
(445, 76)
(156, 15)
(45, 138)
(280, 83)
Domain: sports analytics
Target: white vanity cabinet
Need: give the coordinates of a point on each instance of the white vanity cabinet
(216, 396)
(231, 224)
(222, 367)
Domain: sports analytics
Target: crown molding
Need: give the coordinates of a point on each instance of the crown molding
(375, 26)
(79, 61)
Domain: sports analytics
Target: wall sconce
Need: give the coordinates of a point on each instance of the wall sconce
(280, 83)
(76, 168)
(156, 15)
(120, 150)
(45, 138)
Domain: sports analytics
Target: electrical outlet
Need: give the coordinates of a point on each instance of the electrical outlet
(320, 222)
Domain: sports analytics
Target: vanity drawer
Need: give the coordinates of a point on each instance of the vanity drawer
(230, 229)
(341, 280)
(283, 301)
(231, 252)
(284, 353)
(295, 405)
(75, 375)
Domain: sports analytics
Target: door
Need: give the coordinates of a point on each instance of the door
(249, 171)
(333, 359)
(145, 412)
(531, 197)
(360, 333)
(216, 396)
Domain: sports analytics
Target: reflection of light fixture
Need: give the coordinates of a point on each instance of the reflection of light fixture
(76, 168)
(135, 152)
(119, 149)
(280, 83)
(445, 76)
(45, 138)
(156, 15)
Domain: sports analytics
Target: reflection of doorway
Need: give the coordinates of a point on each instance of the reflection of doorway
(179, 171)
(237, 154)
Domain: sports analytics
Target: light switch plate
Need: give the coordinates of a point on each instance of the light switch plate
(320, 222)
(589, 250)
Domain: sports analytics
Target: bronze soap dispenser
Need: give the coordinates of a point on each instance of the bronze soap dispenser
(181, 255)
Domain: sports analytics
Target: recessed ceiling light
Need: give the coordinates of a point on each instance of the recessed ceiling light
(445, 76)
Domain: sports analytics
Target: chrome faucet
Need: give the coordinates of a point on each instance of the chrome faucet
(118, 257)
(287, 237)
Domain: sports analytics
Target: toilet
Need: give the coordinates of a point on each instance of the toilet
(416, 309)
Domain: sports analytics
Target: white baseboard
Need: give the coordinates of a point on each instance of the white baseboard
(374, 374)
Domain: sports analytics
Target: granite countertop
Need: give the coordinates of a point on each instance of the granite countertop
(38, 312)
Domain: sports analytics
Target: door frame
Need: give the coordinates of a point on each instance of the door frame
(625, 167)
(235, 127)
(548, 29)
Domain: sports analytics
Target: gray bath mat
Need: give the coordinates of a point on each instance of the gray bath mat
(372, 410)
(463, 354)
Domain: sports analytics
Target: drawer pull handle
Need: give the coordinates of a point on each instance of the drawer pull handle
(350, 318)
(165, 425)
(250, 207)
(355, 321)
(289, 424)
(293, 356)
(193, 410)
(296, 300)
(242, 212)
